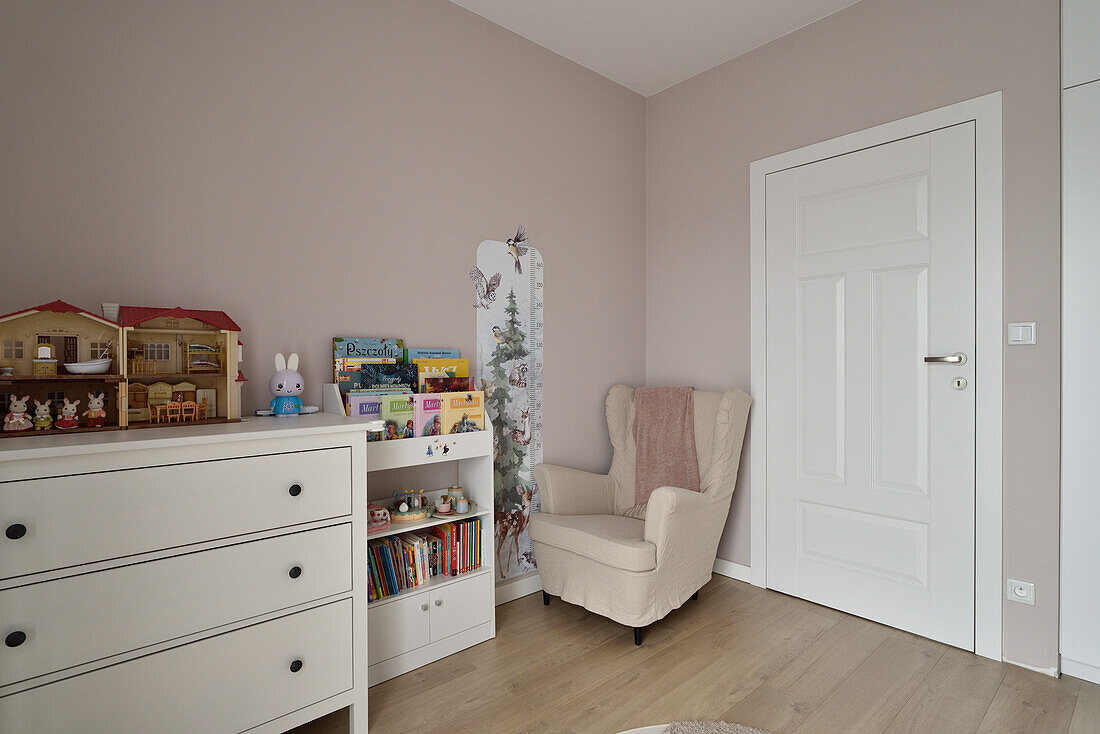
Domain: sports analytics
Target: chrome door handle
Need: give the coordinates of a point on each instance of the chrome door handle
(956, 358)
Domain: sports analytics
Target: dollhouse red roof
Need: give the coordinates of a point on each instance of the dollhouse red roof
(134, 315)
(59, 307)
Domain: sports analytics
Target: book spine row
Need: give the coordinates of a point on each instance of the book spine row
(406, 561)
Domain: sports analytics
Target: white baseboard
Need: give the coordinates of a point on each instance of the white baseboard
(1084, 671)
(729, 568)
(1052, 672)
(514, 588)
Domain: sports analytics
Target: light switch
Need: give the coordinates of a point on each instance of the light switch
(1021, 332)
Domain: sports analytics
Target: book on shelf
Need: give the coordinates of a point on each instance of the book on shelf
(390, 376)
(357, 346)
(427, 414)
(446, 384)
(463, 411)
(411, 354)
(398, 411)
(406, 561)
(450, 367)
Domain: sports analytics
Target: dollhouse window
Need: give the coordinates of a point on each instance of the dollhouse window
(98, 348)
(158, 352)
(58, 398)
(13, 350)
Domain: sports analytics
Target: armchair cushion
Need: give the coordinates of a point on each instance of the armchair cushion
(612, 540)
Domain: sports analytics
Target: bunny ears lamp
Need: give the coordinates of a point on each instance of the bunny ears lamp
(287, 386)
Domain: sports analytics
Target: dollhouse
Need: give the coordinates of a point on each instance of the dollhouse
(64, 368)
(57, 353)
(181, 364)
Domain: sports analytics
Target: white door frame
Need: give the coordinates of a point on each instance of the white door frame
(985, 112)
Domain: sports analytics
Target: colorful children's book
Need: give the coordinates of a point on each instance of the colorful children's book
(389, 376)
(442, 368)
(349, 346)
(365, 407)
(463, 411)
(400, 415)
(446, 384)
(428, 414)
(411, 354)
(345, 364)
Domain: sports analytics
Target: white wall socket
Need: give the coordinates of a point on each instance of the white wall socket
(1021, 591)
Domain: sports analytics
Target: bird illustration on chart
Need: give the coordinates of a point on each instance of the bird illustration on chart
(485, 291)
(517, 247)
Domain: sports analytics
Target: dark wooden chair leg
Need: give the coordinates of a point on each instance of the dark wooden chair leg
(695, 595)
(637, 635)
(545, 599)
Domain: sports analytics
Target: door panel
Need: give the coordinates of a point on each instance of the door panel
(870, 267)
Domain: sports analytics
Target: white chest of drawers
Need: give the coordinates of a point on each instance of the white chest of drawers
(199, 579)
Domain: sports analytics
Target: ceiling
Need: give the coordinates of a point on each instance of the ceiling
(650, 45)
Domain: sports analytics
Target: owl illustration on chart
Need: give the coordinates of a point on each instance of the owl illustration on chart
(517, 247)
(485, 291)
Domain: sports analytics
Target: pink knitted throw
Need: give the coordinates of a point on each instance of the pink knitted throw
(664, 436)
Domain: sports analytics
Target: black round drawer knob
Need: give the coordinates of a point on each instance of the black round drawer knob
(15, 639)
(15, 531)
(295, 572)
(295, 490)
(295, 666)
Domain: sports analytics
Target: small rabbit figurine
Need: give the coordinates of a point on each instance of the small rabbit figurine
(43, 419)
(17, 418)
(95, 413)
(286, 385)
(66, 417)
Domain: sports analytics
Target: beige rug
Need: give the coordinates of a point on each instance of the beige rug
(710, 727)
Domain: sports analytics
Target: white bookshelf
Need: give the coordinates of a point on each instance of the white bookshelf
(420, 625)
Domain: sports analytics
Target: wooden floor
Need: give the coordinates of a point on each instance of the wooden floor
(738, 654)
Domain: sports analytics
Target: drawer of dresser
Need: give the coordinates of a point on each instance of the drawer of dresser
(227, 683)
(65, 521)
(83, 618)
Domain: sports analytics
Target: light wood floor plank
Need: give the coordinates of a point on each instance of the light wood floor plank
(1030, 702)
(954, 698)
(1086, 714)
(788, 697)
(870, 698)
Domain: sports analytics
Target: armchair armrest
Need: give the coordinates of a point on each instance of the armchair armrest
(684, 522)
(566, 491)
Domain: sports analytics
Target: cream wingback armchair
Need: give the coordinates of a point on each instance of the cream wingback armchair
(635, 570)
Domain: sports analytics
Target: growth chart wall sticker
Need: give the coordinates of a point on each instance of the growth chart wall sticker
(508, 298)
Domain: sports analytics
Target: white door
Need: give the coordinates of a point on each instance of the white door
(870, 448)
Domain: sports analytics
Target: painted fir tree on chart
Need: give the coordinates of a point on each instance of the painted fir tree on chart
(509, 370)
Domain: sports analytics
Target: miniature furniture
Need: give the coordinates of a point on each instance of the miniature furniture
(189, 410)
(212, 581)
(635, 571)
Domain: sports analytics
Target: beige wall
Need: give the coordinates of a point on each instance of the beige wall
(323, 168)
(874, 62)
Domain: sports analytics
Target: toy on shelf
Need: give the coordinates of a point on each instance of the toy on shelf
(410, 506)
(17, 420)
(379, 518)
(287, 386)
(95, 413)
(43, 419)
(57, 349)
(66, 417)
(169, 351)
